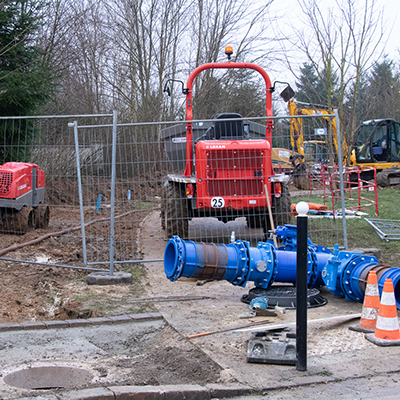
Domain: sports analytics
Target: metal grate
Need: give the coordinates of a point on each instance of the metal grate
(387, 229)
(6, 179)
(235, 172)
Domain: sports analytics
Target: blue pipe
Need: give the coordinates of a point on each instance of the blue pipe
(344, 273)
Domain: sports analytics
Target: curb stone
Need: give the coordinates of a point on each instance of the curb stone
(73, 323)
(162, 392)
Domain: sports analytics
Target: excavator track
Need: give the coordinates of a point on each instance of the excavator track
(18, 222)
(388, 177)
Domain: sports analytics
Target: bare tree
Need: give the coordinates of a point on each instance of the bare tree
(74, 43)
(340, 40)
(219, 23)
(119, 54)
(145, 40)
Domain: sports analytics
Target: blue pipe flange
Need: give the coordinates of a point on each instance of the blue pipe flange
(331, 273)
(263, 265)
(243, 266)
(174, 256)
(353, 286)
(320, 256)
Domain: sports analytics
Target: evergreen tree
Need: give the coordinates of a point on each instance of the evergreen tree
(306, 87)
(25, 80)
(383, 92)
(314, 89)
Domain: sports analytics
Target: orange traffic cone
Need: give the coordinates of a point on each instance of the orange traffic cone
(370, 308)
(387, 332)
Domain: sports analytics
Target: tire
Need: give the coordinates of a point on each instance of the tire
(281, 211)
(175, 211)
(42, 216)
(19, 222)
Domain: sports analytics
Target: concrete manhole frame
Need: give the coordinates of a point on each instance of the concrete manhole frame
(49, 375)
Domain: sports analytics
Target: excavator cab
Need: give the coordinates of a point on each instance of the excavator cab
(316, 151)
(377, 141)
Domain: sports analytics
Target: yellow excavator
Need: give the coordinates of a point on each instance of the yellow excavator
(311, 152)
(377, 145)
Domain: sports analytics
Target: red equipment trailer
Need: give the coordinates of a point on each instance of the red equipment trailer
(22, 192)
(225, 173)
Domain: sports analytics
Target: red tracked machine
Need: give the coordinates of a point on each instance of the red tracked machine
(22, 192)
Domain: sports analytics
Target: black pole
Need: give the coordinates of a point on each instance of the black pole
(301, 292)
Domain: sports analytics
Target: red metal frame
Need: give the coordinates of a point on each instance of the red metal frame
(350, 188)
(189, 105)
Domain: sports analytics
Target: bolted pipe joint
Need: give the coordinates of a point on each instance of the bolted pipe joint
(239, 263)
(343, 272)
(346, 275)
(236, 262)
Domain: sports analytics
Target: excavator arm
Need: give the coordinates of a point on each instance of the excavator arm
(296, 128)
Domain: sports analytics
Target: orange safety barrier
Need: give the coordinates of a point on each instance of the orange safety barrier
(311, 206)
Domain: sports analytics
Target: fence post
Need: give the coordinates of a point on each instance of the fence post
(340, 162)
(301, 286)
(113, 176)
(78, 170)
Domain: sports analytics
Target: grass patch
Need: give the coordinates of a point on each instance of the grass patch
(325, 373)
(87, 296)
(140, 205)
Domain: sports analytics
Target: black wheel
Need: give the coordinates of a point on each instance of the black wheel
(175, 211)
(281, 210)
(19, 222)
(42, 216)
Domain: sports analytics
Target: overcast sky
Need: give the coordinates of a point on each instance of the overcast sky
(392, 12)
(289, 14)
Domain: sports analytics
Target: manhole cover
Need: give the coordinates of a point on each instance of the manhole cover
(48, 377)
(285, 296)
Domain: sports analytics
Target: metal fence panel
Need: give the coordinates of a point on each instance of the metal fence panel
(141, 186)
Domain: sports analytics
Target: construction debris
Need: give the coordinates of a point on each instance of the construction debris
(387, 229)
(339, 319)
(228, 329)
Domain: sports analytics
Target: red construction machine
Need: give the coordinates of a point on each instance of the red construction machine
(227, 174)
(22, 191)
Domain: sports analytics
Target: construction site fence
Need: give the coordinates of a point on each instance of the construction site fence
(105, 178)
